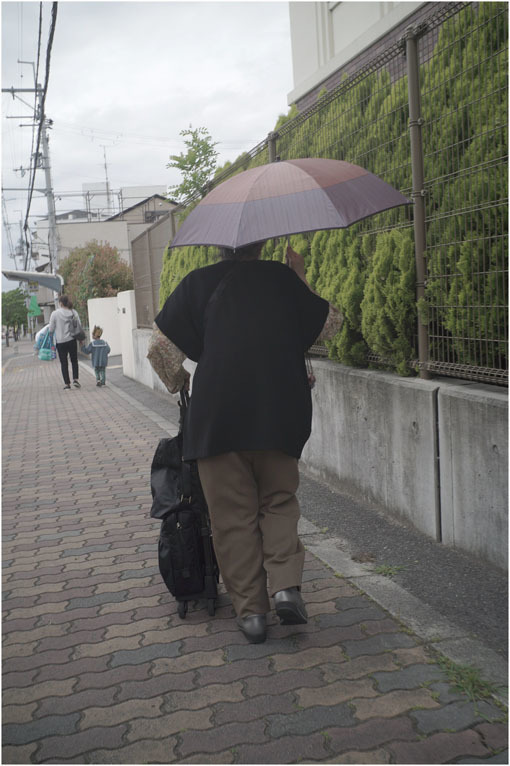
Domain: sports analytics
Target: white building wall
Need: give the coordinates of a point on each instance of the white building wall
(135, 229)
(72, 235)
(325, 36)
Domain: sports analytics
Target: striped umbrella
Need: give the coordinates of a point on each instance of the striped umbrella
(286, 197)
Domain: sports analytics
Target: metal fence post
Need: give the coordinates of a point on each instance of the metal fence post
(418, 192)
(271, 145)
(173, 224)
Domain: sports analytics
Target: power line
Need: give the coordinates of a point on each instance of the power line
(138, 138)
(20, 30)
(34, 157)
(41, 110)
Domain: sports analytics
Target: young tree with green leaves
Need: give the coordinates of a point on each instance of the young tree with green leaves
(94, 271)
(197, 165)
(14, 312)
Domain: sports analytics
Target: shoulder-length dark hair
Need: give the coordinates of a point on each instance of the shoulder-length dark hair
(65, 301)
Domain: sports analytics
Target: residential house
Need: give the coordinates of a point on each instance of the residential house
(77, 227)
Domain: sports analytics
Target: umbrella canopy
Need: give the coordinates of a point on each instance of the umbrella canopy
(284, 198)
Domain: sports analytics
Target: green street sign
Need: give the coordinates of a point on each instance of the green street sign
(33, 308)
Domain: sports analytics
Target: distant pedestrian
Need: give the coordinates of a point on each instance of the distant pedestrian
(99, 349)
(65, 323)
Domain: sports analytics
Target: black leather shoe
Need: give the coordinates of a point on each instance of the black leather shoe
(254, 627)
(290, 607)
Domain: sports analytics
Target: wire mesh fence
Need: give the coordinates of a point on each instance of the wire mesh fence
(463, 55)
(466, 154)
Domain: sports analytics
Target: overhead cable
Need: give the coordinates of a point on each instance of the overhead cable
(42, 115)
(33, 157)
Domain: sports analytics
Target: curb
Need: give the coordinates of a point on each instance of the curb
(438, 633)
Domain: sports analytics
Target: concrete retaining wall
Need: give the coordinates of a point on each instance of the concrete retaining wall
(374, 435)
(433, 452)
(473, 449)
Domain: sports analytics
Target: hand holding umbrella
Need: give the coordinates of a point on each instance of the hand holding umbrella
(296, 262)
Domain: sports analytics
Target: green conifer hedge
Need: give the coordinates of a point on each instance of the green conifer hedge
(368, 270)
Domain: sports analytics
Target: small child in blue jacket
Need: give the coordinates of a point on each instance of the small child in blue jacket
(99, 349)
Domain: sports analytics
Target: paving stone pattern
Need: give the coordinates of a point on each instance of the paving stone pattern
(99, 668)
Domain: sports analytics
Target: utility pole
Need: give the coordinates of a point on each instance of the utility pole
(108, 196)
(50, 198)
(21, 252)
(7, 227)
(41, 161)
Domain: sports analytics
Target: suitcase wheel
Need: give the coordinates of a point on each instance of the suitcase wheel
(182, 608)
(210, 607)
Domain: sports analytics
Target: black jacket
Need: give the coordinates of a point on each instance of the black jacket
(247, 324)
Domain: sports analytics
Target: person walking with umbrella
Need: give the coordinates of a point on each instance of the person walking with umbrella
(248, 324)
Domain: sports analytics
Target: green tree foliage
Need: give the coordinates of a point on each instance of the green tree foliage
(197, 165)
(14, 311)
(368, 270)
(349, 252)
(94, 271)
(467, 119)
(178, 262)
(388, 310)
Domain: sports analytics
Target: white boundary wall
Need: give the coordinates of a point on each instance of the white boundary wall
(143, 371)
(103, 312)
(126, 312)
(434, 453)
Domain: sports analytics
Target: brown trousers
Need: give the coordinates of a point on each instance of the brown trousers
(254, 515)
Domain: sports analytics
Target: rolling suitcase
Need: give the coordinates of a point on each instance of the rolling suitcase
(186, 558)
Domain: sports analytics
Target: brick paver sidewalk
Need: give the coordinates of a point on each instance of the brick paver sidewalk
(98, 667)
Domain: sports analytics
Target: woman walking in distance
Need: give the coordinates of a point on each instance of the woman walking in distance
(61, 323)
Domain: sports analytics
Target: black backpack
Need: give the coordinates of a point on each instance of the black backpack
(186, 557)
(181, 553)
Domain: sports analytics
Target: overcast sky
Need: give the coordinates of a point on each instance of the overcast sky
(129, 76)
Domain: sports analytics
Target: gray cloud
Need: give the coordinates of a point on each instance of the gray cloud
(134, 70)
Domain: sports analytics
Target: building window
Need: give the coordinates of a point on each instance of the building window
(152, 215)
